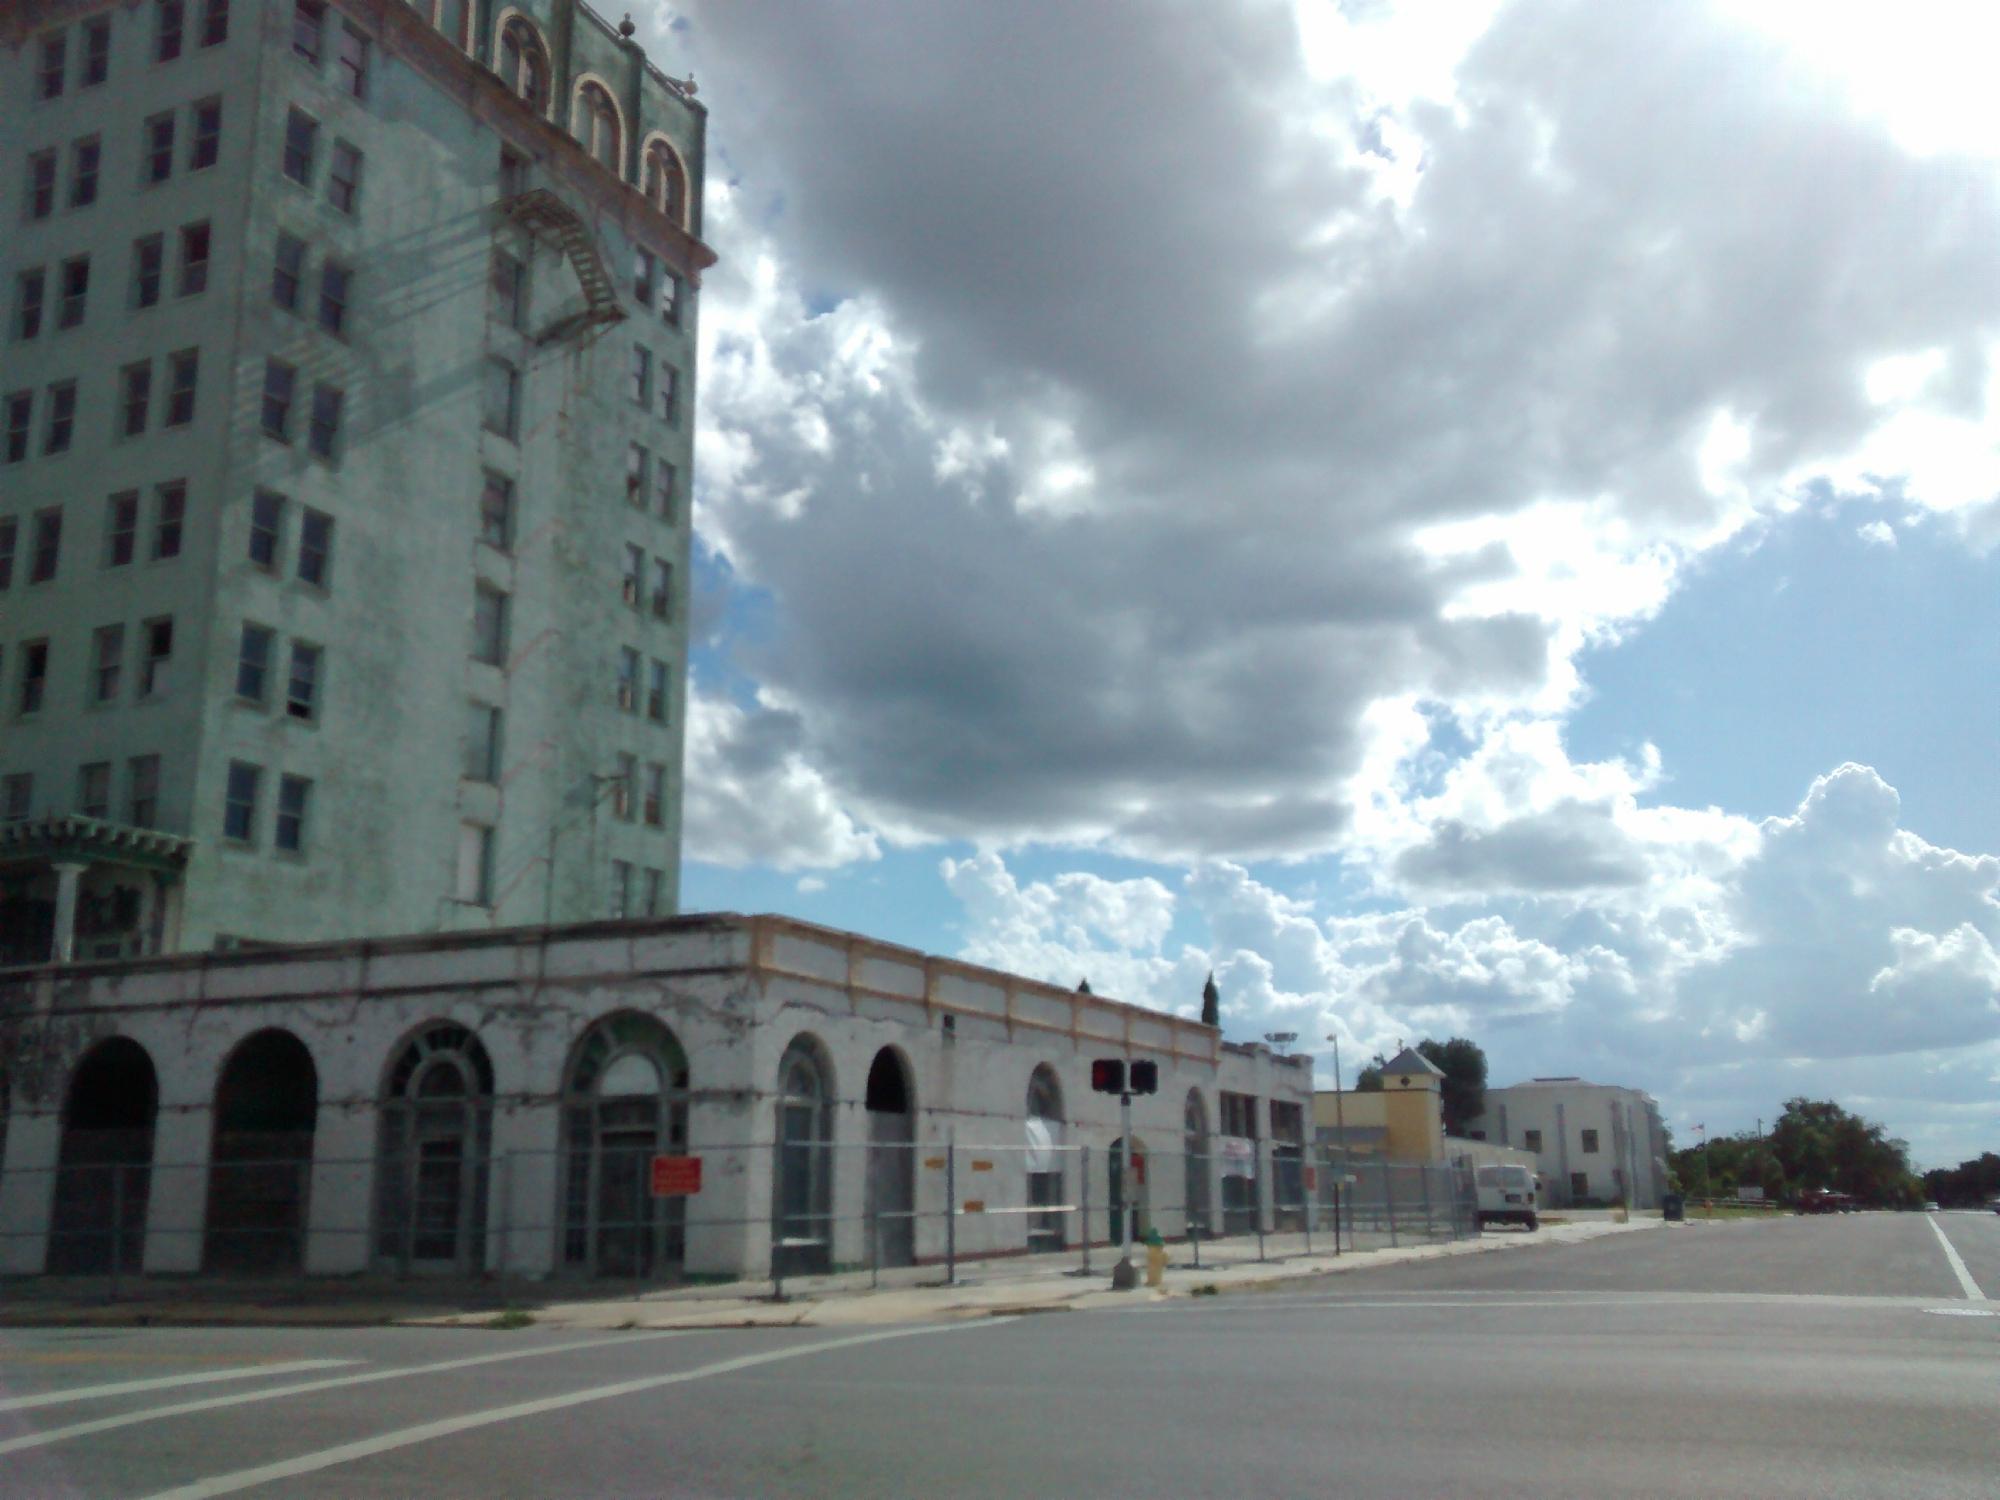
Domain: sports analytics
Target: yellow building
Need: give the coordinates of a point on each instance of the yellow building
(1403, 1120)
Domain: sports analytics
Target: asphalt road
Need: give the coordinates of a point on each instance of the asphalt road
(1827, 1357)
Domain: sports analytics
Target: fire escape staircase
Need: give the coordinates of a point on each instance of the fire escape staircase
(546, 216)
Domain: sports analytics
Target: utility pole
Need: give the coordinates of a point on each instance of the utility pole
(1125, 1275)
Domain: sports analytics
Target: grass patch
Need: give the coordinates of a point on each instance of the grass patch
(1206, 1289)
(511, 1319)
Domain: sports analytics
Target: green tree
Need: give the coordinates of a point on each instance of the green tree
(1463, 1064)
(1211, 1003)
(1369, 1079)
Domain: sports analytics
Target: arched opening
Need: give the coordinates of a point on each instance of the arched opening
(260, 1168)
(666, 181)
(1194, 1150)
(595, 125)
(431, 1162)
(892, 1160)
(524, 64)
(625, 1100)
(1046, 1230)
(1142, 1194)
(802, 1194)
(105, 1162)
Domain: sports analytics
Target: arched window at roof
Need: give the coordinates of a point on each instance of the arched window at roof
(441, 1061)
(524, 64)
(595, 124)
(595, 1070)
(1044, 1095)
(666, 180)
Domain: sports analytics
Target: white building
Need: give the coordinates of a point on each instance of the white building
(495, 1103)
(1594, 1142)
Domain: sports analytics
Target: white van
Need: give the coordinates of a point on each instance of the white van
(1506, 1196)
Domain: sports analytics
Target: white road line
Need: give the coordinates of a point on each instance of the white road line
(169, 1382)
(1965, 1282)
(306, 1387)
(347, 1453)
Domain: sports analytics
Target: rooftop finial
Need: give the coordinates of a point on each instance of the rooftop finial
(626, 28)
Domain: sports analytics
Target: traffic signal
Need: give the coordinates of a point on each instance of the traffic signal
(1145, 1078)
(1107, 1075)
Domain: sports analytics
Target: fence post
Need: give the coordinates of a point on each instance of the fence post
(1424, 1179)
(117, 1225)
(951, 1207)
(1389, 1200)
(1194, 1229)
(777, 1229)
(1083, 1172)
(506, 1206)
(1306, 1197)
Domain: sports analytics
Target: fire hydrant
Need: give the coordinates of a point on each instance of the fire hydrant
(1156, 1259)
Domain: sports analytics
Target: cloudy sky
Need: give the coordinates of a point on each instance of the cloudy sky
(1465, 519)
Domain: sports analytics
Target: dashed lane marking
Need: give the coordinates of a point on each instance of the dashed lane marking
(347, 1453)
(168, 1382)
(1965, 1282)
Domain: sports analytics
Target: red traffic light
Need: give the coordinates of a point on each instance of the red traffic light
(1145, 1077)
(1107, 1075)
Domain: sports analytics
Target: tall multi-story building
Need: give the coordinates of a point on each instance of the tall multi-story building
(346, 390)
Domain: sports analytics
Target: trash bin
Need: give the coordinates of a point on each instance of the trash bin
(1673, 1207)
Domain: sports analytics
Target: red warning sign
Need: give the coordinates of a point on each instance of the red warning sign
(676, 1176)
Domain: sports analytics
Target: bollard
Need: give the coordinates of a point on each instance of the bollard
(951, 1208)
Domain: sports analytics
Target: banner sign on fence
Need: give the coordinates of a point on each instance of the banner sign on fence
(676, 1176)
(1239, 1155)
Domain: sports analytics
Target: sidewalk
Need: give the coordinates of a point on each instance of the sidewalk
(984, 1289)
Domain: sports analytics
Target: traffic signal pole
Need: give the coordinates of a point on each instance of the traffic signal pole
(1124, 1275)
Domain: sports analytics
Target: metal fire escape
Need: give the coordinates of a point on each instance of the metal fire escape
(546, 216)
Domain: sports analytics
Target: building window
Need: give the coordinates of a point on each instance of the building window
(645, 277)
(496, 512)
(596, 125)
(183, 374)
(301, 140)
(642, 376)
(666, 479)
(343, 179)
(215, 23)
(351, 61)
(489, 625)
(276, 416)
(655, 893)
(34, 676)
(169, 16)
(50, 66)
(308, 30)
(142, 791)
(75, 298)
(84, 157)
(149, 258)
(670, 392)
(121, 528)
(628, 679)
(656, 692)
(638, 471)
(107, 662)
(159, 638)
(482, 743)
(1579, 1184)
(334, 279)
(302, 686)
(663, 589)
(509, 283)
(513, 173)
(654, 807)
(501, 398)
(621, 888)
(253, 663)
(29, 289)
(135, 397)
(206, 147)
(239, 807)
(323, 432)
(315, 548)
(288, 831)
(288, 266)
(169, 517)
(267, 525)
(46, 556)
(666, 182)
(1532, 1141)
(20, 421)
(96, 52)
(194, 259)
(632, 581)
(93, 790)
(625, 787)
(9, 537)
(158, 158)
(671, 293)
(62, 417)
(524, 66)
(1590, 1143)
(475, 863)
(17, 797)
(41, 193)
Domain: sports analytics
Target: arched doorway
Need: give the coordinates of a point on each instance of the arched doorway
(431, 1163)
(260, 1168)
(802, 1194)
(1142, 1191)
(105, 1162)
(1194, 1149)
(626, 1100)
(1044, 1161)
(892, 1160)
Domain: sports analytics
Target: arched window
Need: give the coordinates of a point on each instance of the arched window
(435, 1136)
(666, 181)
(104, 1172)
(892, 1160)
(596, 125)
(524, 64)
(260, 1157)
(625, 1100)
(802, 1195)
(1044, 1160)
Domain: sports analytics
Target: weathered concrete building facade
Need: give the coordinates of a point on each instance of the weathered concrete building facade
(346, 392)
(494, 1102)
